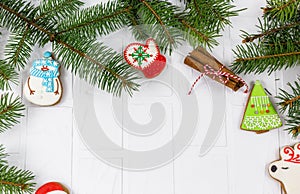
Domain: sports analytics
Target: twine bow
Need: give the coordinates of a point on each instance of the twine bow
(208, 70)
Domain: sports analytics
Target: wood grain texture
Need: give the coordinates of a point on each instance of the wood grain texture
(47, 140)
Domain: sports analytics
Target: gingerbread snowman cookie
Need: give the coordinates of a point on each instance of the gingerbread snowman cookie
(287, 170)
(43, 86)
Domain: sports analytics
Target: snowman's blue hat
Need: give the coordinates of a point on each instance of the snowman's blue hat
(48, 61)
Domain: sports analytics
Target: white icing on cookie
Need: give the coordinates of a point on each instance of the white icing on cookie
(287, 170)
(140, 55)
(43, 86)
(57, 192)
(145, 57)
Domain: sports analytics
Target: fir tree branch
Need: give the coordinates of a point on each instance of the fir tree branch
(277, 46)
(290, 102)
(3, 155)
(283, 10)
(25, 19)
(14, 14)
(10, 111)
(62, 22)
(283, 43)
(200, 34)
(160, 21)
(102, 19)
(158, 18)
(293, 123)
(18, 49)
(196, 37)
(281, 7)
(89, 58)
(21, 186)
(269, 32)
(7, 76)
(12, 179)
(197, 8)
(52, 36)
(89, 54)
(136, 28)
(260, 57)
(213, 14)
(267, 56)
(57, 8)
(205, 19)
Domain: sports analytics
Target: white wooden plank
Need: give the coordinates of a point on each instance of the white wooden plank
(194, 174)
(158, 181)
(250, 155)
(93, 176)
(49, 144)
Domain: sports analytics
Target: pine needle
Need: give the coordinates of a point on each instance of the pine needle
(12, 179)
(10, 111)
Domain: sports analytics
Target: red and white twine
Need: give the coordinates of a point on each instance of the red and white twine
(208, 70)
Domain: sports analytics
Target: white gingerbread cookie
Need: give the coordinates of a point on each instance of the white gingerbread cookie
(145, 57)
(43, 86)
(287, 170)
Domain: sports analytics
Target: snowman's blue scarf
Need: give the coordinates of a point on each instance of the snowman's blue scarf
(48, 76)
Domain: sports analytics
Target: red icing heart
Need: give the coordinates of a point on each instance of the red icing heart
(146, 58)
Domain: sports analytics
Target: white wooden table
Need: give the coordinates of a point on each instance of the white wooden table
(47, 141)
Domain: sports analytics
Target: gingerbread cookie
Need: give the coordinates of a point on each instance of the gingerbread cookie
(52, 188)
(287, 170)
(43, 86)
(260, 115)
(146, 58)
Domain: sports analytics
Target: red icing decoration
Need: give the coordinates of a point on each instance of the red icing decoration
(48, 187)
(267, 111)
(154, 68)
(252, 105)
(293, 157)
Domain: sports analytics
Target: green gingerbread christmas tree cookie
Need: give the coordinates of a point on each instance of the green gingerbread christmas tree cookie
(260, 115)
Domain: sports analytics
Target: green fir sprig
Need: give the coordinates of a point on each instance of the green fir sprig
(161, 20)
(283, 10)
(3, 156)
(12, 179)
(276, 46)
(205, 19)
(290, 104)
(70, 27)
(11, 109)
(69, 39)
(8, 75)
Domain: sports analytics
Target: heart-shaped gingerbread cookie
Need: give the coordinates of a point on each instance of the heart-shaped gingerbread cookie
(146, 58)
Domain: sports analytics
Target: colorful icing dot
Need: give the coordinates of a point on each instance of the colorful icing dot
(267, 111)
(262, 112)
(256, 112)
(47, 54)
(268, 105)
(252, 105)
